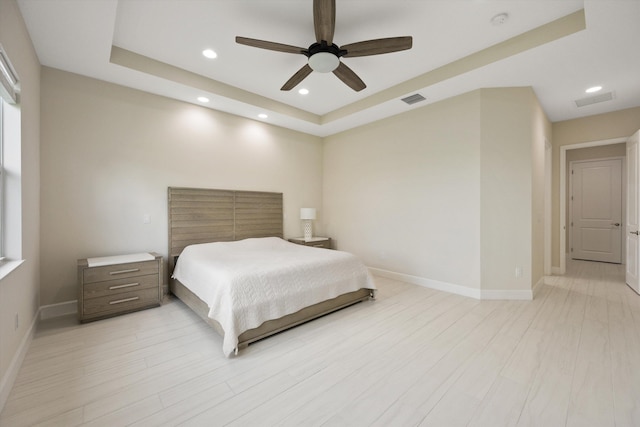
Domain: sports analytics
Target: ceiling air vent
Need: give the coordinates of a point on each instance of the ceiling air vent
(413, 99)
(594, 99)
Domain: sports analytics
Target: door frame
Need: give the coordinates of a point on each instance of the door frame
(563, 192)
(623, 202)
(548, 207)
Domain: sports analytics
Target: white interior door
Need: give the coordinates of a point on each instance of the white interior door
(633, 213)
(597, 210)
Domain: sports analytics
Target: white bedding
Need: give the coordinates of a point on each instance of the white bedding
(248, 282)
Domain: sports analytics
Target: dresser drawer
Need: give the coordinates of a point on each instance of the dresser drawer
(121, 302)
(118, 286)
(111, 272)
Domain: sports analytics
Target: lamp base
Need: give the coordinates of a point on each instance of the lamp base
(308, 234)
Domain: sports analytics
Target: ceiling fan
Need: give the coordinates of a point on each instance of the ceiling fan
(324, 56)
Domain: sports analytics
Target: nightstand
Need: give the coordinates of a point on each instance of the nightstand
(316, 242)
(109, 286)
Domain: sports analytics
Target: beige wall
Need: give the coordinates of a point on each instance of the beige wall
(443, 192)
(404, 193)
(619, 124)
(541, 127)
(19, 291)
(514, 129)
(109, 153)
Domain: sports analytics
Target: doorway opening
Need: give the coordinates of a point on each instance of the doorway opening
(563, 231)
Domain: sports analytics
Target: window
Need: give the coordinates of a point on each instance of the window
(1, 181)
(11, 182)
(10, 153)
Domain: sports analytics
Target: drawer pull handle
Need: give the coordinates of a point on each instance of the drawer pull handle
(131, 270)
(128, 285)
(120, 301)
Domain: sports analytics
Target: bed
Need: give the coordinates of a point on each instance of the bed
(215, 221)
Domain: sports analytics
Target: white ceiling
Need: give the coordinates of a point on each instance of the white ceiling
(78, 35)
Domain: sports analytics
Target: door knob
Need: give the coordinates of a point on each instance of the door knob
(634, 232)
(617, 224)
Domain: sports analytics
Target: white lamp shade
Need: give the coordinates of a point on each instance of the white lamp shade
(307, 213)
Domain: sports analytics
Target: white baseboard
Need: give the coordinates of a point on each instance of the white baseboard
(428, 283)
(479, 294)
(556, 271)
(6, 382)
(537, 286)
(57, 310)
(519, 295)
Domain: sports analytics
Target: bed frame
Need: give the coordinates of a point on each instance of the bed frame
(203, 215)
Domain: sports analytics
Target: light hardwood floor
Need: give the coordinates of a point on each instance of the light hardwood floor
(415, 356)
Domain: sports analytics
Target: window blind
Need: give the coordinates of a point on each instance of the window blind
(9, 83)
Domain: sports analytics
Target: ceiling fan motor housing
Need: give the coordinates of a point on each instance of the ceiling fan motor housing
(324, 58)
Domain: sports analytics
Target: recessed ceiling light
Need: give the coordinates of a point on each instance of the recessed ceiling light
(209, 53)
(303, 91)
(594, 89)
(262, 115)
(203, 99)
(499, 19)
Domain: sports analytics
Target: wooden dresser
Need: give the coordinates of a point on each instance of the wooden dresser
(109, 286)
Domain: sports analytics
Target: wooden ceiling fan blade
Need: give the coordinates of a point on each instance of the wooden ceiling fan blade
(349, 78)
(263, 44)
(324, 20)
(299, 76)
(377, 46)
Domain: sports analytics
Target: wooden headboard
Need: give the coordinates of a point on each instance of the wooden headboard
(198, 215)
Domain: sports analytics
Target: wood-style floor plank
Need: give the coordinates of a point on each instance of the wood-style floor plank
(414, 356)
(625, 354)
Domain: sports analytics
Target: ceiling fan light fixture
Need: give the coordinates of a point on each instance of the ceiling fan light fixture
(323, 62)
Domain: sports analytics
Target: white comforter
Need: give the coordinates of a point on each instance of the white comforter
(248, 282)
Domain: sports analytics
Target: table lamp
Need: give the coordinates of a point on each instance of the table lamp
(307, 215)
